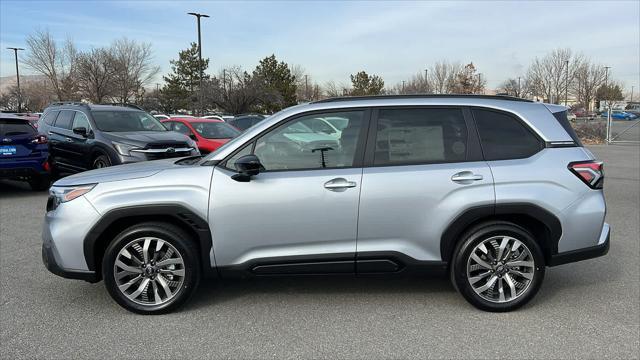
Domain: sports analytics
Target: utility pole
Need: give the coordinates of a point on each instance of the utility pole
(631, 100)
(15, 53)
(403, 87)
(566, 83)
(519, 88)
(306, 87)
(157, 87)
(480, 82)
(224, 81)
(198, 16)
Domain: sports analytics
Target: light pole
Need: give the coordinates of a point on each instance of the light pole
(631, 100)
(15, 53)
(426, 80)
(198, 16)
(403, 87)
(566, 82)
(606, 97)
(519, 88)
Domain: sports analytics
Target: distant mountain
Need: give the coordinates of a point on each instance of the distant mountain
(8, 81)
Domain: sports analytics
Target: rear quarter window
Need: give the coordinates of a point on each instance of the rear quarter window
(504, 137)
(564, 121)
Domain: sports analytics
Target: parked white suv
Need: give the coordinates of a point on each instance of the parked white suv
(490, 189)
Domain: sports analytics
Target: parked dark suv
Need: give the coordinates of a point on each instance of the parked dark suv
(83, 136)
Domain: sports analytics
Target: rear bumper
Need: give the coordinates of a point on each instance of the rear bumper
(602, 248)
(21, 172)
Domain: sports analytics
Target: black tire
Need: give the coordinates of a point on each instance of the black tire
(170, 234)
(40, 182)
(477, 235)
(101, 161)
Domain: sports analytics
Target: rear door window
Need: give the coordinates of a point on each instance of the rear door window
(420, 136)
(50, 117)
(65, 119)
(504, 137)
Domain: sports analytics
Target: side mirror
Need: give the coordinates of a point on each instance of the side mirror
(82, 131)
(193, 137)
(247, 166)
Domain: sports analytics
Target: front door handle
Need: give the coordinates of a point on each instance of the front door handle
(466, 177)
(339, 184)
(69, 140)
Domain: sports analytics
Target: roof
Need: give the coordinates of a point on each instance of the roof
(94, 107)
(420, 96)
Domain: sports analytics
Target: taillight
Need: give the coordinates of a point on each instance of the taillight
(590, 172)
(40, 139)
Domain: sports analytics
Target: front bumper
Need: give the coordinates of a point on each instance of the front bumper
(602, 248)
(49, 260)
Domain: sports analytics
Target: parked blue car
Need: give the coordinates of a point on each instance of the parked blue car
(24, 153)
(620, 115)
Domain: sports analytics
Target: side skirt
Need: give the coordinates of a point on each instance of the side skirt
(362, 264)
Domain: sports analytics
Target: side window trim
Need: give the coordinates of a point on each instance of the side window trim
(358, 160)
(473, 152)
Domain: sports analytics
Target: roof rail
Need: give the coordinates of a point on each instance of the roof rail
(133, 106)
(420, 96)
(76, 103)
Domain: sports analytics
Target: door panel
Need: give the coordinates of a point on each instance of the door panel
(407, 208)
(301, 207)
(283, 214)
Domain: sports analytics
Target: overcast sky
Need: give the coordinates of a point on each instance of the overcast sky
(334, 39)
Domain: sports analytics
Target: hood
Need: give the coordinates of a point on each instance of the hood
(141, 138)
(118, 172)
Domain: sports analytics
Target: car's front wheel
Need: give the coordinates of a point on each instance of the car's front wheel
(498, 266)
(151, 268)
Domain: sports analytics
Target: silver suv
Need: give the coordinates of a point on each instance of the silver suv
(490, 190)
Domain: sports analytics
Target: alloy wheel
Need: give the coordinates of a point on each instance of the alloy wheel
(500, 269)
(149, 271)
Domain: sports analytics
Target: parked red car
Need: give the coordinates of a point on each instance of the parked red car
(209, 134)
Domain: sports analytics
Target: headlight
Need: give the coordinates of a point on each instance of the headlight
(68, 193)
(124, 149)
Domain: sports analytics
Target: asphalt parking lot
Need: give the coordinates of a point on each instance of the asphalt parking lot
(589, 309)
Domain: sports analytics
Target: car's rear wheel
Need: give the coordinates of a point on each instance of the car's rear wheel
(498, 266)
(151, 268)
(101, 161)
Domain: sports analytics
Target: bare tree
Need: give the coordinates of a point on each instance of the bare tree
(553, 75)
(333, 89)
(58, 63)
(134, 68)
(236, 91)
(520, 87)
(442, 76)
(588, 78)
(96, 74)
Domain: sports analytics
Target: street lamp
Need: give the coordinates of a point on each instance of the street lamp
(566, 83)
(198, 16)
(15, 52)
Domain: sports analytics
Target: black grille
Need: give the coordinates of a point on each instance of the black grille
(167, 155)
(164, 145)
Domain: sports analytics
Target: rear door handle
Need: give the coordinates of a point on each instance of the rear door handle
(466, 177)
(339, 184)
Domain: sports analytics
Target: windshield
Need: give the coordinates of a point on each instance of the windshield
(215, 130)
(123, 121)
